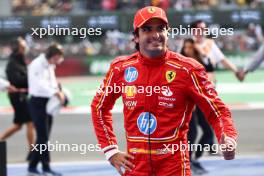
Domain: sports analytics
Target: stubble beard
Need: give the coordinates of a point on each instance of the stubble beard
(155, 53)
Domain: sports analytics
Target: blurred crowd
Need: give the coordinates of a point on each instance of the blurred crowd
(54, 7)
(114, 42)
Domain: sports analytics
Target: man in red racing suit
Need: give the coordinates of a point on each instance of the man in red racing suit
(158, 95)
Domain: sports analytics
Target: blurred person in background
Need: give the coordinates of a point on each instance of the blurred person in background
(202, 4)
(16, 72)
(208, 48)
(189, 50)
(254, 31)
(153, 123)
(254, 36)
(255, 62)
(109, 5)
(43, 86)
(183, 4)
(164, 4)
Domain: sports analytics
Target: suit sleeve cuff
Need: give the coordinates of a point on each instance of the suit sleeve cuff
(110, 153)
(231, 141)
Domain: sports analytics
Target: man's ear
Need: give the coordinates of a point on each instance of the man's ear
(136, 39)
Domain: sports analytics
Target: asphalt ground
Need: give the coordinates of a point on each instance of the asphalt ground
(73, 129)
(78, 129)
(242, 166)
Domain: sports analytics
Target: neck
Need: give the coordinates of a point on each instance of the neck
(153, 55)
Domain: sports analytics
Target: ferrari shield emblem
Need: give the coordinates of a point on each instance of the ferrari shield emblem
(151, 10)
(170, 76)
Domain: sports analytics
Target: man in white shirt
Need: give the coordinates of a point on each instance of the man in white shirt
(42, 86)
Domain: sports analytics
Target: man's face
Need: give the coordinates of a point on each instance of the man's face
(152, 38)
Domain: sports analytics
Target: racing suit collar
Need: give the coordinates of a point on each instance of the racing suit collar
(154, 62)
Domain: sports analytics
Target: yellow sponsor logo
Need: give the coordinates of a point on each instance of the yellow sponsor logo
(170, 75)
(130, 91)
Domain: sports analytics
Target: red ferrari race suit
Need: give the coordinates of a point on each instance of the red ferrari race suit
(156, 121)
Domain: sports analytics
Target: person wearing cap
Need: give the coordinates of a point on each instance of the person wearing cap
(157, 123)
(16, 72)
(42, 86)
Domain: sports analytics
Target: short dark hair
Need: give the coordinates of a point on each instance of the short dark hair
(54, 49)
(195, 23)
(198, 56)
(15, 43)
(187, 40)
(135, 33)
